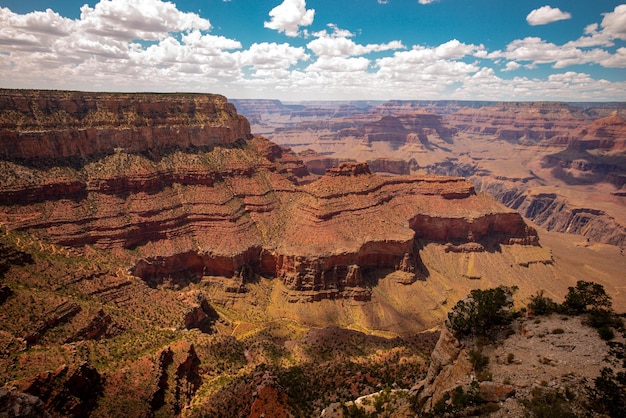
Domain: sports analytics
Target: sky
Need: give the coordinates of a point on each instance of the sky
(293, 50)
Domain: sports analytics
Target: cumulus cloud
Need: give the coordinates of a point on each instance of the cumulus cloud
(545, 15)
(614, 23)
(33, 31)
(426, 1)
(338, 44)
(148, 45)
(289, 16)
(511, 66)
(538, 51)
(273, 56)
(339, 64)
(435, 64)
(138, 19)
(119, 43)
(613, 26)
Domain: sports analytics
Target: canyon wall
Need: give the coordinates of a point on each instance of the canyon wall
(514, 151)
(35, 125)
(177, 185)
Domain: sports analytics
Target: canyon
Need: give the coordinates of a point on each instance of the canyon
(561, 165)
(158, 249)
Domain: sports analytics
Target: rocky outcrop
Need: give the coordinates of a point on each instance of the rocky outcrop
(447, 368)
(5, 292)
(100, 326)
(188, 380)
(21, 405)
(157, 399)
(67, 391)
(201, 316)
(36, 125)
(595, 153)
(9, 257)
(61, 313)
(555, 213)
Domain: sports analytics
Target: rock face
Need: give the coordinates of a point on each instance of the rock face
(554, 212)
(513, 151)
(49, 124)
(20, 405)
(61, 313)
(520, 121)
(67, 391)
(204, 198)
(595, 153)
(447, 368)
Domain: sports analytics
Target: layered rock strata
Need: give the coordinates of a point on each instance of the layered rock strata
(35, 125)
(218, 201)
(595, 153)
(533, 121)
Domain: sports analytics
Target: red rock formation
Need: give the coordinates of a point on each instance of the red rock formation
(520, 121)
(239, 207)
(595, 153)
(61, 313)
(67, 391)
(605, 134)
(52, 124)
(100, 326)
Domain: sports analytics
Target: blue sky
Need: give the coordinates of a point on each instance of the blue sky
(320, 49)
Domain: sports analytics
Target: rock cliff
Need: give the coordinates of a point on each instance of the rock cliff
(178, 183)
(534, 121)
(37, 125)
(595, 153)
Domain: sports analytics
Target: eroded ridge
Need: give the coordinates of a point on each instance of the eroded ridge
(223, 203)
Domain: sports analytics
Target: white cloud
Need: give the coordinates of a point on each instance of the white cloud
(614, 23)
(455, 50)
(438, 64)
(539, 51)
(288, 16)
(113, 48)
(426, 1)
(339, 64)
(272, 56)
(138, 19)
(34, 31)
(545, 15)
(512, 66)
(337, 44)
(613, 26)
(106, 46)
(617, 60)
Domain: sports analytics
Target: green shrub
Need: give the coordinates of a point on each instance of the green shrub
(478, 360)
(482, 312)
(608, 394)
(510, 357)
(542, 305)
(598, 318)
(457, 400)
(548, 404)
(585, 296)
(558, 331)
(606, 333)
